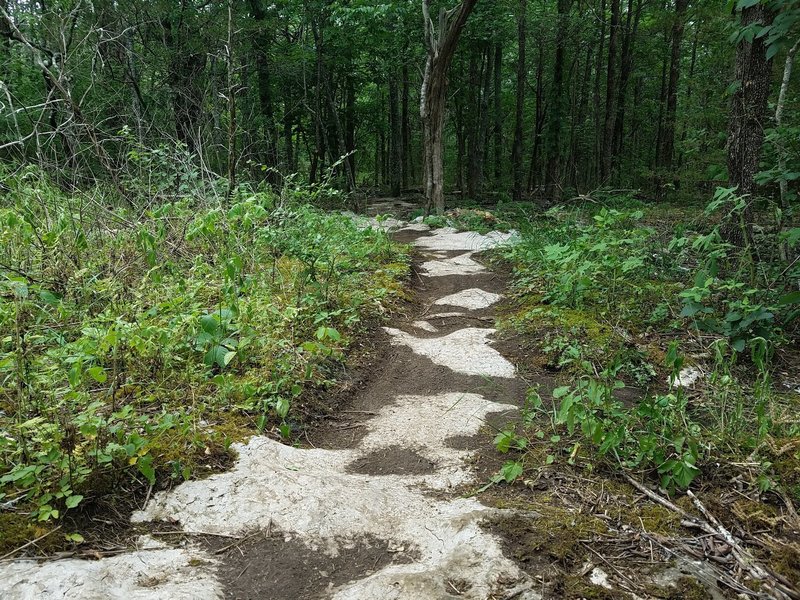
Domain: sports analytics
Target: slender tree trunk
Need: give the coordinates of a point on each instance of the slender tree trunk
(394, 137)
(782, 152)
(498, 111)
(483, 132)
(232, 156)
(611, 92)
(474, 113)
(262, 42)
(350, 125)
(577, 129)
(405, 131)
(667, 141)
(535, 170)
(662, 100)
(318, 165)
(779, 106)
(628, 43)
(689, 89)
(440, 42)
(461, 144)
(519, 110)
(598, 114)
(557, 108)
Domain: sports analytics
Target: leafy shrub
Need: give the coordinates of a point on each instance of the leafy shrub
(123, 336)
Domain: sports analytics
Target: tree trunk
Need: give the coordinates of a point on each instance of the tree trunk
(667, 141)
(405, 131)
(350, 125)
(534, 170)
(474, 114)
(690, 80)
(519, 109)
(440, 41)
(261, 45)
(598, 70)
(394, 137)
(498, 111)
(782, 152)
(232, 155)
(483, 131)
(554, 143)
(628, 43)
(611, 93)
(747, 116)
(779, 107)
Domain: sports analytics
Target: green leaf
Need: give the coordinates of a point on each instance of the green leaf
(216, 355)
(73, 501)
(560, 392)
(98, 374)
(209, 323)
(503, 441)
(511, 471)
(790, 298)
(282, 407)
(49, 298)
(145, 464)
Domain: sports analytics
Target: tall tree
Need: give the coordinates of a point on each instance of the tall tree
(518, 173)
(440, 42)
(667, 141)
(611, 93)
(748, 112)
(498, 110)
(557, 106)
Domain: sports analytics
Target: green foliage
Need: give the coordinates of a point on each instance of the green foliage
(600, 288)
(122, 335)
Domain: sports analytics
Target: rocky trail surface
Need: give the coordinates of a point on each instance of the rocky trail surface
(374, 507)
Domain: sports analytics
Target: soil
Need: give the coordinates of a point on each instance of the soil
(279, 566)
(394, 460)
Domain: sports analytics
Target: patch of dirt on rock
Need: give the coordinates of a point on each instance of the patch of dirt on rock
(394, 460)
(390, 375)
(282, 567)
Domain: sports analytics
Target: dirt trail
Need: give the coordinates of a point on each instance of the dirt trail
(371, 510)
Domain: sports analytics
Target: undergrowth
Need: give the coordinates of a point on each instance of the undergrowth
(134, 344)
(627, 302)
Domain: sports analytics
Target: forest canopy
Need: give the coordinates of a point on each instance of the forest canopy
(545, 99)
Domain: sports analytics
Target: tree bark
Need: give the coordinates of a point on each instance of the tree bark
(498, 111)
(747, 116)
(405, 131)
(394, 137)
(628, 43)
(519, 109)
(262, 41)
(554, 143)
(611, 93)
(779, 107)
(667, 140)
(440, 42)
(598, 115)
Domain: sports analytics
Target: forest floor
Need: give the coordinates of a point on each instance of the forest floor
(394, 494)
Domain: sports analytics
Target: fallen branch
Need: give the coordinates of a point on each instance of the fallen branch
(712, 526)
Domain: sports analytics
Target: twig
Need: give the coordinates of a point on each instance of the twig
(234, 543)
(195, 533)
(41, 537)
